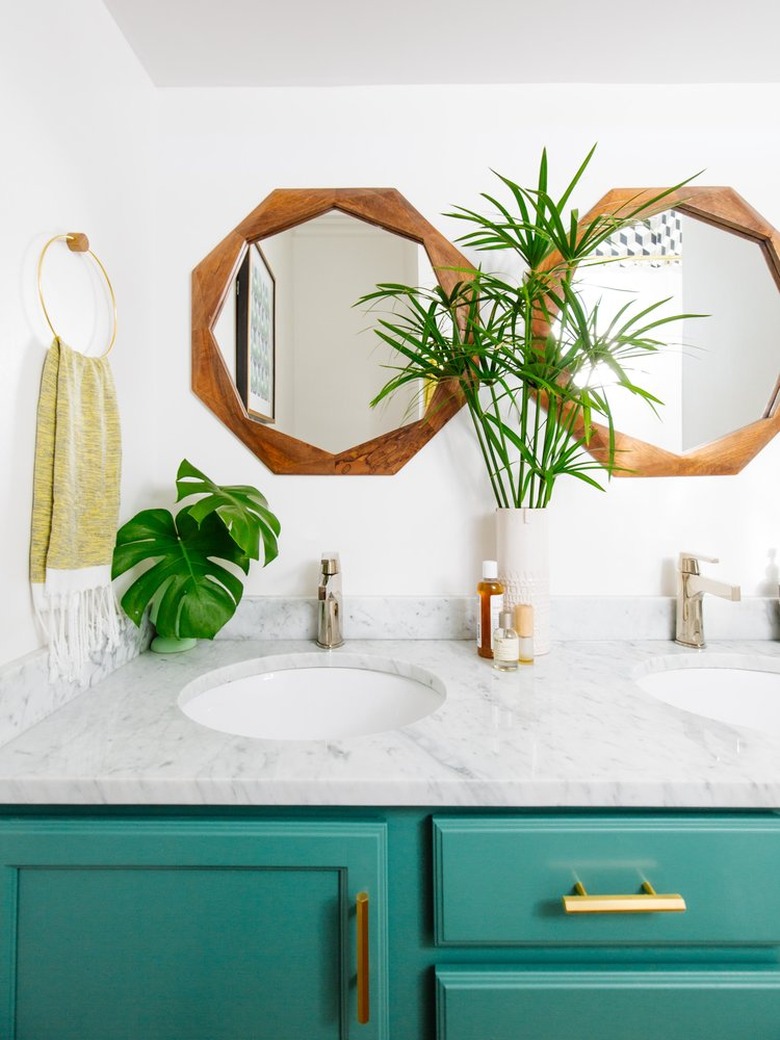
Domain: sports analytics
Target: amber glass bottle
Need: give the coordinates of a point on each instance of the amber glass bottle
(490, 602)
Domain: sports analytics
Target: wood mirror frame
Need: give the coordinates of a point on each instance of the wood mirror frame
(724, 208)
(213, 280)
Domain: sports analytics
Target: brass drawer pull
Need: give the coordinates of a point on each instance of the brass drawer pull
(363, 1002)
(646, 902)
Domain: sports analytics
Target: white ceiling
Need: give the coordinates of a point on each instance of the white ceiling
(228, 43)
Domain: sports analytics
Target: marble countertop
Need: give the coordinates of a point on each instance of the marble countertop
(574, 729)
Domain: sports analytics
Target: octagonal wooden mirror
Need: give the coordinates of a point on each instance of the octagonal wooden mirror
(281, 369)
(710, 254)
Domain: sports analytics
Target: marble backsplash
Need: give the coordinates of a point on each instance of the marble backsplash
(27, 696)
(454, 617)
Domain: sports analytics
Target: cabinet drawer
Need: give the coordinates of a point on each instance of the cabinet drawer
(608, 1004)
(500, 881)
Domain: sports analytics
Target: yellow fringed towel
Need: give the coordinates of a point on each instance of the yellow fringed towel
(75, 509)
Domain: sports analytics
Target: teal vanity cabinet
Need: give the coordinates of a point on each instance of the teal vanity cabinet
(143, 928)
(242, 924)
(672, 934)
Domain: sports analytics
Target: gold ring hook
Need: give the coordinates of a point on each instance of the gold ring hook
(77, 242)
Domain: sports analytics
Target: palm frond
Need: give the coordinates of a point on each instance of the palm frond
(526, 351)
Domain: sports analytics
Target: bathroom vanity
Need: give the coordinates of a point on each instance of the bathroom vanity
(164, 880)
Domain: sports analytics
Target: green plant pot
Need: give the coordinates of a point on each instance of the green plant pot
(171, 645)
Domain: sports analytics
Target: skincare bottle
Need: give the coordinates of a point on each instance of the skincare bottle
(524, 625)
(506, 644)
(490, 602)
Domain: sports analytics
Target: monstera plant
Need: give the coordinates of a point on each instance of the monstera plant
(190, 595)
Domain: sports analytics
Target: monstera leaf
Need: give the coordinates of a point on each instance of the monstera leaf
(242, 508)
(190, 594)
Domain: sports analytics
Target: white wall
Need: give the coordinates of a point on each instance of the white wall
(81, 140)
(76, 125)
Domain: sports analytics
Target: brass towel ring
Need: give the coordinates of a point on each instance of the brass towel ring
(77, 242)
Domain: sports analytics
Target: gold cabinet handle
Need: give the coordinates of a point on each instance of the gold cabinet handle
(646, 902)
(363, 999)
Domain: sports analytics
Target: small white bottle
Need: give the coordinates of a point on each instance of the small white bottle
(506, 644)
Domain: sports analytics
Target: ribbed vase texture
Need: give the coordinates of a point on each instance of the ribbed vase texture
(523, 554)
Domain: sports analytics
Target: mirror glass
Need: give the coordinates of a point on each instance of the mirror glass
(717, 372)
(329, 363)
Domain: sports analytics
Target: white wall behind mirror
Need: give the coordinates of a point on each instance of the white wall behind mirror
(714, 372)
(329, 362)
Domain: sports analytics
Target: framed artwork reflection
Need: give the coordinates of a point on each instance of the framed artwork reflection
(256, 335)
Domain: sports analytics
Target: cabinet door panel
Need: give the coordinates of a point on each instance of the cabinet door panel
(177, 930)
(518, 1004)
(178, 955)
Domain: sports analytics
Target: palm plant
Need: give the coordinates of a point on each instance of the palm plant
(527, 355)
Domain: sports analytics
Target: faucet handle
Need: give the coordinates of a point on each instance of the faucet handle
(689, 562)
(329, 564)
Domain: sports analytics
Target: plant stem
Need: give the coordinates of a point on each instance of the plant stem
(485, 445)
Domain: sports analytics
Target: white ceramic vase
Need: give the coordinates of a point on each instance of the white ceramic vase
(523, 554)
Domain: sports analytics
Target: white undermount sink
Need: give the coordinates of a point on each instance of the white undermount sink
(746, 694)
(312, 697)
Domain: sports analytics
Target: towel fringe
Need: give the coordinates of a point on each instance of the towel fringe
(77, 625)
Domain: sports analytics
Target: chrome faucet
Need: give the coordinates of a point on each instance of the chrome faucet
(691, 587)
(329, 633)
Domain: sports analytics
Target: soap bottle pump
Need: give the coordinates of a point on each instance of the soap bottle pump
(490, 602)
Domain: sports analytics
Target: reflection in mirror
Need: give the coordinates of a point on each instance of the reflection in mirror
(316, 330)
(711, 254)
(328, 365)
(718, 369)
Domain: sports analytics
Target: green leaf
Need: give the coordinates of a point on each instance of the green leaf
(150, 533)
(242, 509)
(190, 594)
